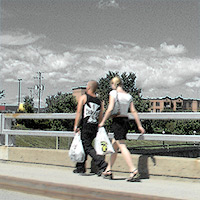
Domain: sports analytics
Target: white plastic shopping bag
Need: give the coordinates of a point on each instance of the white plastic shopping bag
(102, 143)
(76, 151)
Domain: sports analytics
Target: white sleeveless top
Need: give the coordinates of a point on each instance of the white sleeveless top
(124, 100)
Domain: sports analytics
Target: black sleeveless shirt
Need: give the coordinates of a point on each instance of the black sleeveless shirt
(90, 112)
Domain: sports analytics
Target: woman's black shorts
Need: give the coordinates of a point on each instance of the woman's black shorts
(120, 127)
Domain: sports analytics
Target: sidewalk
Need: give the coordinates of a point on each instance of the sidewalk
(60, 178)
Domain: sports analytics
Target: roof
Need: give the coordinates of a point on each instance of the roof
(80, 87)
(167, 97)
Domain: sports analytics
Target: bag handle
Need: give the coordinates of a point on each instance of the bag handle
(118, 111)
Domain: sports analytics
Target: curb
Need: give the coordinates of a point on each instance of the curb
(68, 192)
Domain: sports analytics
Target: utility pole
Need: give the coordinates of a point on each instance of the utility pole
(39, 87)
(19, 94)
(31, 91)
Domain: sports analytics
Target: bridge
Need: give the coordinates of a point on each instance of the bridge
(49, 171)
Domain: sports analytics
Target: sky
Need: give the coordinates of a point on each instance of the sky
(73, 41)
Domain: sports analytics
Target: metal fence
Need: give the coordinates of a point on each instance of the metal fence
(6, 119)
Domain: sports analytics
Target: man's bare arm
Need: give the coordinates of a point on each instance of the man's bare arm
(81, 102)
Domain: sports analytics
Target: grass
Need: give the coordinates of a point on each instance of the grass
(64, 143)
(42, 142)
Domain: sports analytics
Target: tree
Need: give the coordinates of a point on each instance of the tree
(2, 94)
(61, 103)
(28, 104)
(27, 107)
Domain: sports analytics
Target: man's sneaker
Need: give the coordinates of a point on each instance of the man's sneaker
(79, 171)
(102, 170)
(99, 173)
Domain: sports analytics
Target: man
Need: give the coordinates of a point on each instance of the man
(89, 113)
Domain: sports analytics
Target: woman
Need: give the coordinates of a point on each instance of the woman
(120, 127)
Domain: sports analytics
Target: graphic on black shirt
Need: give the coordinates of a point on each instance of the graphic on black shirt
(92, 111)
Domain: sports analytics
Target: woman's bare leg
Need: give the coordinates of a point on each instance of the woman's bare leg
(113, 156)
(126, 155)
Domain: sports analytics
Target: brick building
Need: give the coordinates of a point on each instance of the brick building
(175, 104)
(78, 91)
(8, 108)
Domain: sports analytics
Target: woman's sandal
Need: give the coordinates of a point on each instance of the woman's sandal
(107, 175)
(135, 177)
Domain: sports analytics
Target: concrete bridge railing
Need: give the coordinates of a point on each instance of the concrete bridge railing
(5, 126)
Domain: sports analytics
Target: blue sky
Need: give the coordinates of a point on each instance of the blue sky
(73, 41)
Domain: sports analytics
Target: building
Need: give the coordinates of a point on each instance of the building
(8, 108)
(2, 108)
(174, 104)
(78, 91)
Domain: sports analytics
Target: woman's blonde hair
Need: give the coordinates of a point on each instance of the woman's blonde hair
(116, 81)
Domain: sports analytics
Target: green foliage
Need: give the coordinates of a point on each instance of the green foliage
(2, 93)
(170, 126)
(28, 108)
(182, 127)
(187, 127)
(104, 87)
(147, 125)
(61, 103)
(28, 104)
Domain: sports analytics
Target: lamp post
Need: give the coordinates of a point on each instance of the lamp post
(19, 95)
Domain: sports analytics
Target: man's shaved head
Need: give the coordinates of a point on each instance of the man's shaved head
(93, 85)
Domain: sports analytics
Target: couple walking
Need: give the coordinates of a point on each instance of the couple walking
(89, 116)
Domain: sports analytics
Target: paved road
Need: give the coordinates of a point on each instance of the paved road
(56, 177)
(13, 195)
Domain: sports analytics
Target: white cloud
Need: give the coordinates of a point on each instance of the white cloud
(103, 4)
(59, 61)
(63, 80)
(195, 83)
(10, 80)
(158, 71)
(172, 49)
(18, 39)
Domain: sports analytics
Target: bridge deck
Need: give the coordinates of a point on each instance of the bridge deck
(59, 182)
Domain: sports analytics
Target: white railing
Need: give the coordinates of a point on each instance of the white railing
(5, 126)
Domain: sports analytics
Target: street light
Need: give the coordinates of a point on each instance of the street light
(19, 95)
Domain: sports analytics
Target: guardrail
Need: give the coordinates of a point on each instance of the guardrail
(5, 126)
